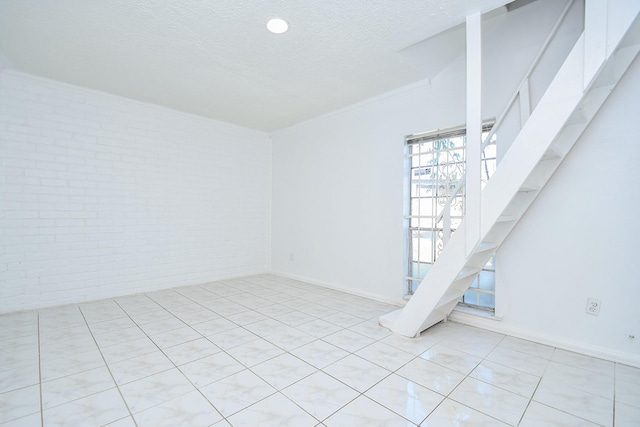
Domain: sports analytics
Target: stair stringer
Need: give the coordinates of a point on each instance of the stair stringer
(561, 116)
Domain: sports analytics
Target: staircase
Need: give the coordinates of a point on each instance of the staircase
(606, 48)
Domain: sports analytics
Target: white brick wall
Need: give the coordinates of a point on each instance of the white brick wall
(102, 196)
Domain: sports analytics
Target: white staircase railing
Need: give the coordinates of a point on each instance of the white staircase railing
(521, 94)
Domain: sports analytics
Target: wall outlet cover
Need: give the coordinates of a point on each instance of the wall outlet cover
(593, 306)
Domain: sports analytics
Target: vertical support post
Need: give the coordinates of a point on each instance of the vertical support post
(474, 130)
(595, 38)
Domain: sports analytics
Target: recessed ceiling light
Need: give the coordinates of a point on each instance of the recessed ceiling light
(277, 25)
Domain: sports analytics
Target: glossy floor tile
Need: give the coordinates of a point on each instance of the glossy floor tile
(271, 351)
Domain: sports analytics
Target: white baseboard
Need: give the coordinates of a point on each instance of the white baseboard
(375, 297)
(550, 340)
(493, 324)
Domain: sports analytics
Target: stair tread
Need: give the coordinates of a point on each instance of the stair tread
(485, 246)
(551, 154)
(528, 189)
(466, 272)
(448, 301)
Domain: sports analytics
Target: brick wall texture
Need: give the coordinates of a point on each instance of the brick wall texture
(102, 196)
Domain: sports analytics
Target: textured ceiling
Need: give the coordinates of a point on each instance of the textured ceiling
(215, 58)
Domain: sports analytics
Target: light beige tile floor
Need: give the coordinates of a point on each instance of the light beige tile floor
(270, 351)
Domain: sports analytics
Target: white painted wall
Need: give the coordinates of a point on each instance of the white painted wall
(578, 240)
(337, 196)
(338, 206)
(338, 180)
(102, 196)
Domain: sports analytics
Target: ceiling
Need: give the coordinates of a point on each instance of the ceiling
(215, 58)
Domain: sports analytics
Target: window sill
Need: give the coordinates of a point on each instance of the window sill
(476, 312)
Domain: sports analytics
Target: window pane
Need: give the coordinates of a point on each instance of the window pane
(436, 174)
(474, 284)
(422, 246)
(487, 300)
(470, 297)
(487, 280)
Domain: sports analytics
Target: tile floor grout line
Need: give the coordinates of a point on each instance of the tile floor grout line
(448, 396)
(363, 393)
(222, 351)
(157, 346)
(341, 308)
(391, 372)
(108, 368)
(527, 407)
(322, 369)
(175, 366)
(40, 373)
(567, 413)
(468, 375)
(285, 352)
(615, 378)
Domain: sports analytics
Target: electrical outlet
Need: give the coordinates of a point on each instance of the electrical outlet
(291, 257)
(593, 306)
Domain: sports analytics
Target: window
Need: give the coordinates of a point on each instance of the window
(435, 205)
